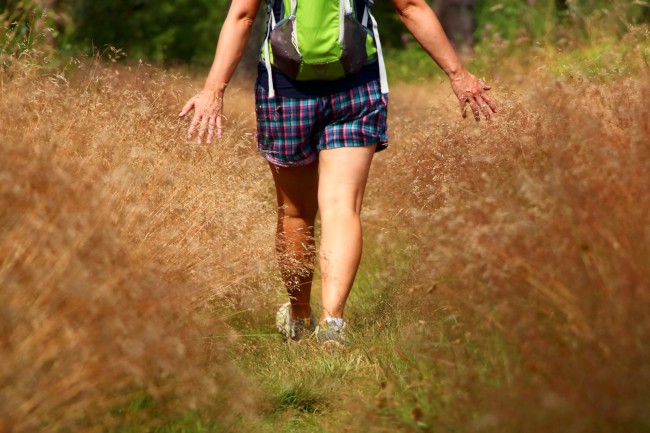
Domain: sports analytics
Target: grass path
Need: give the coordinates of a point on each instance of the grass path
(304, 387)
(509, 299)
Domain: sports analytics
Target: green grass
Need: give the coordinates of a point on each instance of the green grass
(604, 59)
(143, 415)
(410, 65)
(302, 386)
(412, 361)
(307, 388)
(383, 382)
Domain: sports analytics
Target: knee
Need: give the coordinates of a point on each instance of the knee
(335, 203)
(340, 210)
(303, 211)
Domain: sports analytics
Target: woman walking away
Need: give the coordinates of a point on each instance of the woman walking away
(321, 100)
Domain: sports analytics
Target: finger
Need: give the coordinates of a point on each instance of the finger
(475, 110)
(202, 129)
(484, 108)
(488, 101)
(219, 128)
(485, 86)
(211, 127)
(195, 122)
(463, 106)
(187, 108)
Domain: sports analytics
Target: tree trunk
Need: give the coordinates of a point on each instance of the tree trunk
(458, 21)
(54, 19)
(54, 13)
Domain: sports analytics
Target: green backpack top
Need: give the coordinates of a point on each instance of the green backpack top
(320, 40)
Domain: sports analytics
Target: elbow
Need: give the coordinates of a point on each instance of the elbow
(244, 19)
(243, 16)
(407, 9)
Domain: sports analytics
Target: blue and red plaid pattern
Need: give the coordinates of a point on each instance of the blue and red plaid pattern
(291, 132)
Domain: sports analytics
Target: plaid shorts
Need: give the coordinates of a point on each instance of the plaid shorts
(291, 131)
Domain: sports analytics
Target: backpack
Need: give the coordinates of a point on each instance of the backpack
(320, 40)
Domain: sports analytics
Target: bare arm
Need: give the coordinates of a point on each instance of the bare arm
(423, 24)
(208, 104)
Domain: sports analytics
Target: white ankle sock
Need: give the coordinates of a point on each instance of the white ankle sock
(336, 321)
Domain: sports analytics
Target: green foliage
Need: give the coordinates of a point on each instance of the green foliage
(174, 30)
(18, 20)
(552, 21)
(512, 19)
(391, 28)
(180, 30)
(184, 31)
(604, 60)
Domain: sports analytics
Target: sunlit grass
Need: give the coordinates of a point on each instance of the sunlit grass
(503, 285)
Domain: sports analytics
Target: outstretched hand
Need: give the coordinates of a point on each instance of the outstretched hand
(208, 109)
(472, 92)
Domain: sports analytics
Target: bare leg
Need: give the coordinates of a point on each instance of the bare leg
(296, 190)
(342, 182)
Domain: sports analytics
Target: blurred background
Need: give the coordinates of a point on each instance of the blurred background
(183, 31)
(505, 280)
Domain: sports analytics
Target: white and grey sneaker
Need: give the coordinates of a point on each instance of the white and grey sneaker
(293, 329)
(332, 332)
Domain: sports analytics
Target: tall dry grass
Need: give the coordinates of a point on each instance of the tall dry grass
(116, 238)
(527, 308)
(534, 237)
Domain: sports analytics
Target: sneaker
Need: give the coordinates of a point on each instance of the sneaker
(329, 333)
(293, 329)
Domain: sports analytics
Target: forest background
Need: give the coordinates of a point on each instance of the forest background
(505, 280)
(184, 32)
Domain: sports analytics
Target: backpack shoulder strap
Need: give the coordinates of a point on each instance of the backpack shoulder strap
(383, 79)
(270, 23)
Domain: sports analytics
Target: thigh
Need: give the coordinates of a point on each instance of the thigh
(342, 178)
(287, 128)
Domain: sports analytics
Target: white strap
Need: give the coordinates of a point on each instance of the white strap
(364, 20)
(294, 33)
(383, 80)
(348, 7)
(267, 57)
(343, 6)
